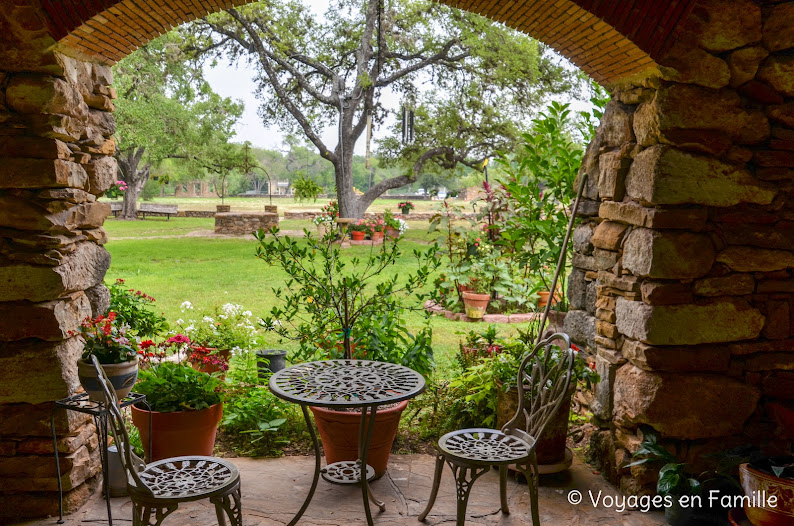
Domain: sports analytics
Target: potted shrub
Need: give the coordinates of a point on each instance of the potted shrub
(337, 308)
(376, 227)
(186, 404)
(769, 476)
(132, 308)
(359, 230)
(406, 207)
(117, 352)
(394, 227)
(215, 336)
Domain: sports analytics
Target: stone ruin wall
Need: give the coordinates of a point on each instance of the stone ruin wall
(682, 283)
(56, 149)
(244, 223)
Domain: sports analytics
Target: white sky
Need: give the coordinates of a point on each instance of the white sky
(237, 82)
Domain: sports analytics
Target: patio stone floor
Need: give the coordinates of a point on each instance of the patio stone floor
(273, 490)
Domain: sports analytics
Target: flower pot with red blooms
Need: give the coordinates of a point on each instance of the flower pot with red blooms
(406, 207)
(209, 360)
(117, 353)
(359, 230)
(218, 334)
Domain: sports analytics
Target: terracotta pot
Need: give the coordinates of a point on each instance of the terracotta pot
(339, 434)
(179, 433)
(377, 235)
(544, 298)
(355, 235)
(475, 304)
(761, 486)
(226, 354)
(551, 446)
(392, 233)
(121, 375)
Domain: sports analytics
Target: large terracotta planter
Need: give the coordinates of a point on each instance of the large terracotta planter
(475, 304)
(356, 235)
(377, 235)
(757, 483)
(392, 233)
(121, 375)
(178, 433)
(543, 298)
(339, 434)
(551, 446)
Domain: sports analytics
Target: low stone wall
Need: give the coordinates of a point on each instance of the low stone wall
(418, 216)
(555, 319)
(244, 223)
(195, 213)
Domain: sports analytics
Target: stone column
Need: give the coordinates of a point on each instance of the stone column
(56, 151)
(683, 261)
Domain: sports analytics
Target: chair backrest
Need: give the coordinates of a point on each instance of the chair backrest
(129, 461)
(543, 380)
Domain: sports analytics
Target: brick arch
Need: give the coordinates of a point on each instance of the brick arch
(612, 41)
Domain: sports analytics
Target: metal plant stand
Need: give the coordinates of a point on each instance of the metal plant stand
(82, 404)
(340, 384)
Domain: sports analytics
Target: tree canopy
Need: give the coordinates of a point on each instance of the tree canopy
(471, 80)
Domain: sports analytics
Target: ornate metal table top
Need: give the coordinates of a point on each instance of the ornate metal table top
(346, 383)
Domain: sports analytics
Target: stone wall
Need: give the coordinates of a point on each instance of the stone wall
(56, 149)
(244, 223)
(682, 283)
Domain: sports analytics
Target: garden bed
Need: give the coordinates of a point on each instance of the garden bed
(555, 317)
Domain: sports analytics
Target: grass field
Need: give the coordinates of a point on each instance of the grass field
(178, 260)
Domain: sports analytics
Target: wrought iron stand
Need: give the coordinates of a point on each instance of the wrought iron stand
(346, 384)
(81, 404)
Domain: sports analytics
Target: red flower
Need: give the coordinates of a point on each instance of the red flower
(145, 344)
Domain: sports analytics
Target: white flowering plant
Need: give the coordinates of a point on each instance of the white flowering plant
(228, 326)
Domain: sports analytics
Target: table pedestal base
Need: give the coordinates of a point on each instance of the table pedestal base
(346, 472)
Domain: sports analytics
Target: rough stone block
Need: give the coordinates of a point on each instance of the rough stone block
(606, 315)
(778, 320)
(777, 27)
(102, 123)
(727, 25)
(606, 329)
(689, 64)
(722, 321)
(667, 255)
(682, 406)
(623, 283)
(496, 318)
(580, 326)
(747, 259)
(37, 473)
(577, 289)
(85, 436)
(662, 175)
(778, 72)
(51, 320)
(22, 172)
(770, 362)
(773, 286)
(582, 238)
(613, 167)
(779, 235)
(779, 385)
(99, 299)
(61, 127)
(609, 235)
(744, 64)
(600, 260)
(686, 358)
(616, 125)
(101, 174)
(774, 158)
(760, 92)
(591, 297)
(98, 101)
(730, 285)
(783, 113)
(602, 403)
(43, 94)
(35, 147)
(34, 371)
(635, 214)
(665, 293)
(27, 215)
(83, 268)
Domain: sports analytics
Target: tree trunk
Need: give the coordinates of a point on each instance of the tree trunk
(128, 162)
(346, 197)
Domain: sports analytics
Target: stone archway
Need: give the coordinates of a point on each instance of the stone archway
(687, 221)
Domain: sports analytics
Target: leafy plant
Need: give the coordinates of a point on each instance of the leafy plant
(229, 326)
(255, 412)
(328, 214)
(305, 189)
(673, 478)
(171, 386)
(132, 308)
(329, 303)
(406, 206)
(116, 190)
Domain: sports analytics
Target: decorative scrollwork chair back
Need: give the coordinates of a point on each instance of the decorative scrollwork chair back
(544, 378)
(129, 460)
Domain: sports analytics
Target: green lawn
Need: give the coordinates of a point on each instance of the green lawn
(211, 271)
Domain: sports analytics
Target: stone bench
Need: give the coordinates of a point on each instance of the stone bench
(157, 210)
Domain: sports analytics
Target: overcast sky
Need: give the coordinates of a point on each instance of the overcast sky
(237, 82)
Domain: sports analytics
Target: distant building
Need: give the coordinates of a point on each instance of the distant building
(195, 188)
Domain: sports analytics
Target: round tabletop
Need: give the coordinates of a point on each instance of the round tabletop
(346, 383)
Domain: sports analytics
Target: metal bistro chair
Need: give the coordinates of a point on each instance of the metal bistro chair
(544, 379)
(158, 487)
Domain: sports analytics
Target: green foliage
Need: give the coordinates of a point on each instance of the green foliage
(673, 479)
(171, 387)
(330, 304)
(305, 189)
(132, 308)
(253, 411)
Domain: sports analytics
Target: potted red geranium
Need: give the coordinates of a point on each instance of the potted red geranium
(117, 352)
(406, 207)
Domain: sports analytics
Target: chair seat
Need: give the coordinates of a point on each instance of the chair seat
(188, 478)
(486, 446)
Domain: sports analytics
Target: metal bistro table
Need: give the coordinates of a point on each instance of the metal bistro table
(346, 384)
(82, 404)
